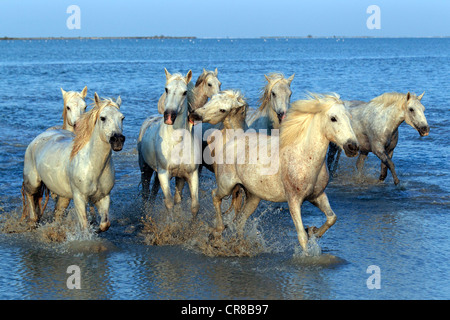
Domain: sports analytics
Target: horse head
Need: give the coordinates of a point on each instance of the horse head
(110, 121)
(74, 106)
(338, 129)
(414, 114)
(221, 105)
(278, 92)
(174, 100)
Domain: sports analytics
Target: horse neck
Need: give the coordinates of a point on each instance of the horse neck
(97, 152)
(391, 118)
(198, 98)
(313, 146)
(270, 117)
(235, 122)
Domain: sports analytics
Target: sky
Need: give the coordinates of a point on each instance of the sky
(224, 18)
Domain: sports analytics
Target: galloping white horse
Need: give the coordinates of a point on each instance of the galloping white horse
(301, 173)
(376, 126)
(166, 145)
(78, 168)
(275, 100)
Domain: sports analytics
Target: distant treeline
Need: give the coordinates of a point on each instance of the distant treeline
(94, 38)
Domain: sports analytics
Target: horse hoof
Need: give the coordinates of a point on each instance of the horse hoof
(311, 231)
(104, 226)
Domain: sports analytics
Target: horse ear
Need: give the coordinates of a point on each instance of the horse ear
(161, 103)
(119, 101)
(421, 96)
(167, 74)
(188, 76)
(63, 92)
(267, 78)
(96, 99)
(215, 72)
(291, 78)
(408, 96)
(204, 70)
(83, 92)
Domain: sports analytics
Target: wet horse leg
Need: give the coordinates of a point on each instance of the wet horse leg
(164, 179)
(386, 160)
(179, 185)
(295, 210)
(251, 203)
(193, 188)
(323, 204)
(390, 152)
(61, 205)
(360, 162)
(146, 175)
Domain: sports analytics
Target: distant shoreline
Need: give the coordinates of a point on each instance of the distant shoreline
(92, 38)
(193, 37)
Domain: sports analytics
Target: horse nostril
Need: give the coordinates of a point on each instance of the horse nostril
(352, 146)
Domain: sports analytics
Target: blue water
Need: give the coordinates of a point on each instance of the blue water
(401, 229)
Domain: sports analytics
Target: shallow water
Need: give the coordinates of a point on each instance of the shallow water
(401, 229)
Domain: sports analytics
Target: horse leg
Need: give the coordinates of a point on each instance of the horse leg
(384, 168)
(146, 175)
(251, 203)
(103, 209)
(80, 202)
(323, 204)
(31, 195)
(360, 162)
(217, 201)
(179, 185)
(155, 189)
(390, 152)
(163, 177)
(193, 188)
(61, 205)
(386, 160)
(295, 210)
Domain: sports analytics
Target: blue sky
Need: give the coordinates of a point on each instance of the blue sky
(220, 18)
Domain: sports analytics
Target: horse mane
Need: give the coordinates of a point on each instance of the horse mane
(86, 124)
(267, 89)
(300, 115)
(388, 99)
(67, 96)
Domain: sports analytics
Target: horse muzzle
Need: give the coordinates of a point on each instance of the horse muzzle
(424, 130)
(281, 116)
(117, 141)
(351, 148)
(169, 117)
(194, 117)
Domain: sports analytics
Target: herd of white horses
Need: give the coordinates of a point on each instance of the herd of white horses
(300, 141)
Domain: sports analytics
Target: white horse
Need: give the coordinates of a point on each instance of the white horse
(376, 126)
(274, 100)
(166, 145)
(301, 173)
(78, 168)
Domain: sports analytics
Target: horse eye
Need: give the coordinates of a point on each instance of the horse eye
(184, 93)
(68, 108)
(411, 109)
(273, 94)
(167, 91)
(333, 119)
(223, 110)
(209, 85)
(102, 118)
